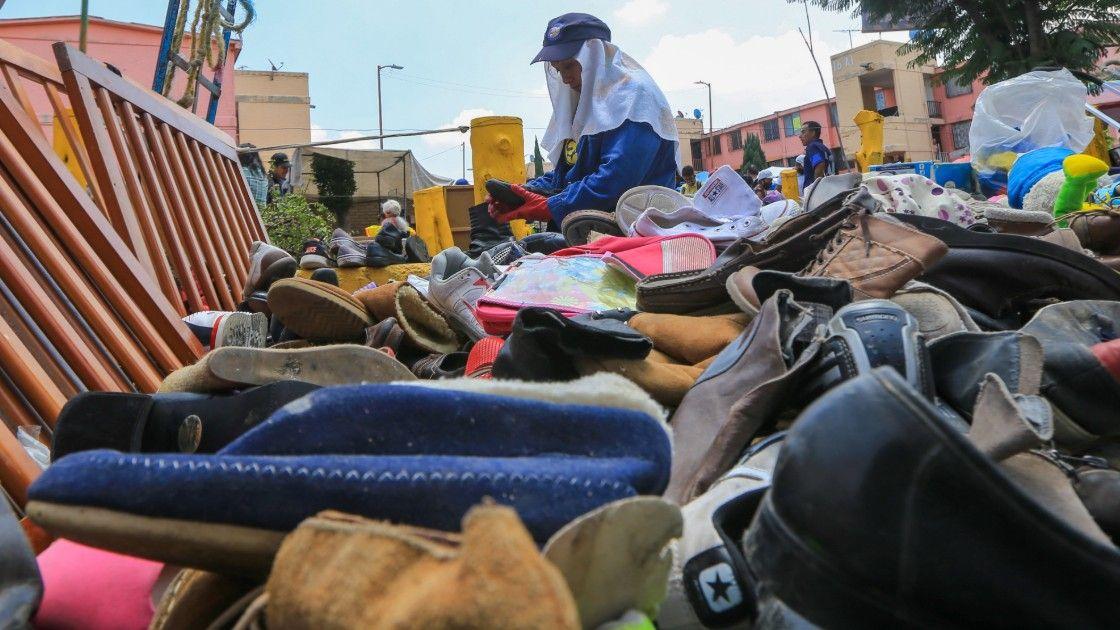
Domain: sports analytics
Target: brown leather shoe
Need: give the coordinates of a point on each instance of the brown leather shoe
(788, 246)
(875, 253)
(1100, 233)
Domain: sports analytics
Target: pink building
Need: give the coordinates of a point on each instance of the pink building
(131, 48)
(777, 132)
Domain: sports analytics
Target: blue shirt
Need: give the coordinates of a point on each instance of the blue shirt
(607, 165)
(815, 153)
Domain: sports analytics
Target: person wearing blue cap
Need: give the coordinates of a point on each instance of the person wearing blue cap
(611, 127)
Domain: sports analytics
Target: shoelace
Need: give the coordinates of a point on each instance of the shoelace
(859, 217)
(1070, 216)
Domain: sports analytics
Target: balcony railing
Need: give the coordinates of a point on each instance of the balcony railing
(934, 109)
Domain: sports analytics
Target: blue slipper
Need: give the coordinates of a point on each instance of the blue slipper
(414, 454)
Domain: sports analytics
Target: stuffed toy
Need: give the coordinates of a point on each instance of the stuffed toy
(1054, 180)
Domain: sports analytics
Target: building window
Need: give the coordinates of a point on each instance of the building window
(960, 134)
(736, 140)
(717, 145)
(792, 124)
(833, 116)
(954, 88)
(770, 130)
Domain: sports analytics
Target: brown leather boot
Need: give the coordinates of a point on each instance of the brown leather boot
(1100, 232)
(876, 253)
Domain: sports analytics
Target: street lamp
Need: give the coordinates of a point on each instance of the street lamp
(380, 124)
(710, 123)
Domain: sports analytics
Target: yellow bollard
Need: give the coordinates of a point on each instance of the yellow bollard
(63, 149)
(871, 147)
(790, 189)
(430, 206)
(1099, 145)
(498, 152)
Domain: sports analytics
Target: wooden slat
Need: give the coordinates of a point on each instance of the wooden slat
(74, 139)
(227, 197)
(59, 265)
(94, 244)
(15, 82)
(31, 66)
(199, 222)
(234, 244)
(178, 208)
(28, 375)
(138, 200)
(249, 207)
(217, 228)
(90, 366)
(18, 469)
(173, 240)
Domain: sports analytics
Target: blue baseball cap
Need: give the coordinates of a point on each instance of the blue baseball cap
(565, 35)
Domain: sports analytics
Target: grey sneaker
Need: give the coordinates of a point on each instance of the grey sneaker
(455, 286)
(346, 251)
(267, 263)
(249, 330)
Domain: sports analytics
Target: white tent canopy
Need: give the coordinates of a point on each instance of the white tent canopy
(378, 174)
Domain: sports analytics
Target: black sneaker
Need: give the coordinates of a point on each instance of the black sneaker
(314, 255)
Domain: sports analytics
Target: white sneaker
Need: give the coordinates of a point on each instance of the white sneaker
(637, 200)
(455, 286)
(689, 220)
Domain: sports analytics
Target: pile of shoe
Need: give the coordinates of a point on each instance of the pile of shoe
(391, 246)
(855, 417)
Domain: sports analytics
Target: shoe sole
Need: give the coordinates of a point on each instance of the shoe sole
(625, 217)
(318, 311)
(343, 364)
(313, 261)
(577, 226)
(249, 330)
(738, 298)
(218, 547)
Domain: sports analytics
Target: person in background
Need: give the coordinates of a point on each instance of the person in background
(391, 215)
(611, 127)
(817, 155)
(750, 175)
(690, 185)
(278, 184)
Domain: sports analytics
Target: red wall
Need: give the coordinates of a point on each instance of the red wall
(782, 148)
(132, 48)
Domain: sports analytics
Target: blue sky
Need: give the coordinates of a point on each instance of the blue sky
(467, 58)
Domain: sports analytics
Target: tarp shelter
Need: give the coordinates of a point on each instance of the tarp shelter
(379, 175)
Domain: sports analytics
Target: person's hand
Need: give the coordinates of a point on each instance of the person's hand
(534, 208)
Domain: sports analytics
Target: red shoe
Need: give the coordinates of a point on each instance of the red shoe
(481, 359)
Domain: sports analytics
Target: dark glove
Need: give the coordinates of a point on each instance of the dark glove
(534, 207)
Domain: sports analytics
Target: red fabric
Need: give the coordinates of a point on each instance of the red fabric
(481, 358)
(93, 589)
(535, 207)
(650, 255)
(1108, 353)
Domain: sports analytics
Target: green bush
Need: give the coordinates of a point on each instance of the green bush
(291, 220)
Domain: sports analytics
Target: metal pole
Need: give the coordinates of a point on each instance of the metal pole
(212, 107)
(323, 143)
(162, 60)
(711, 118)
(84, 27)
(463, 146)
(380, 124)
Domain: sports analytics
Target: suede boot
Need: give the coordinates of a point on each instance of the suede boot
(341, 571)
(426, 331)
(690, 339)
(664, 379)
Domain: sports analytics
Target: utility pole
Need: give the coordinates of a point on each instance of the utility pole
(711, 124)
(809, 44)
(84, 25)
(849, 31)
(380, 123)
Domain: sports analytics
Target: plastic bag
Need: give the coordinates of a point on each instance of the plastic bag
(29, 440)
(1033, 110)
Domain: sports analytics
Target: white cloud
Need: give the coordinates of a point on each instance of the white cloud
(638, 12)
(749, 78)
(318, 134)
(448, 140)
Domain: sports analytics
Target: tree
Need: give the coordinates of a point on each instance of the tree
(752, 154)
(999, 39)
(334, 177)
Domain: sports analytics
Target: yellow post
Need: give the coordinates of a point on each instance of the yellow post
(498, 152)
(430, 206)
(63, 149)
(871, 148)
(1098, 146)
(790, 189)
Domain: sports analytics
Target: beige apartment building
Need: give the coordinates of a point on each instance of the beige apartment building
(875, 77)
(273, 108)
